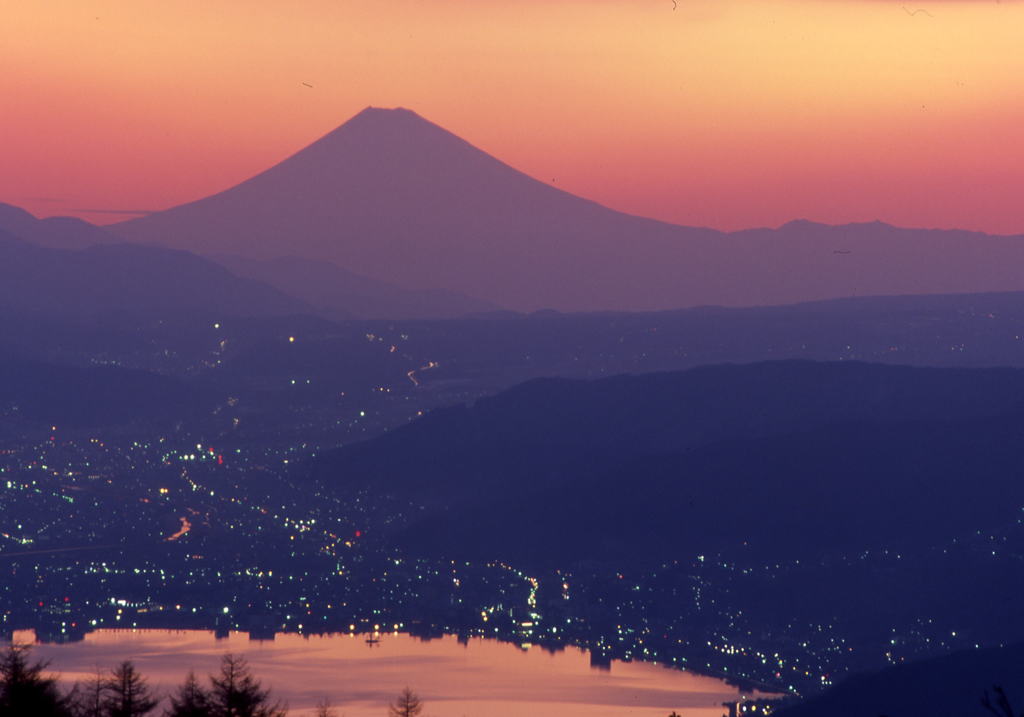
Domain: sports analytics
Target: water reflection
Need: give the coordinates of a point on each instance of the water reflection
(455, 678)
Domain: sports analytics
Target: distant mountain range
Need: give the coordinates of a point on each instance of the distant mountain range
(390, 216)
(391, 196)
(340, 294)
(111, 282)
(65, 267)
(772, 459)
(53, 232)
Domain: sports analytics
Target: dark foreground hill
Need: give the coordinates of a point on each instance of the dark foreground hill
(949, 686)
(782, 457)
(868, 485)
(40, 395)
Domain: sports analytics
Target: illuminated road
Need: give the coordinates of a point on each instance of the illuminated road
(412, 374)
(186, 525)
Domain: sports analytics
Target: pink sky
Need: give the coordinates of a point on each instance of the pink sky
(724, 113)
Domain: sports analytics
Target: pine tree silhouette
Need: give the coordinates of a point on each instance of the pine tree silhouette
(88, 696)
(408, 704)
(190, 700)
(127, 694)
(236, 693)
(1001, 707)
(323, 709)
(25, 690)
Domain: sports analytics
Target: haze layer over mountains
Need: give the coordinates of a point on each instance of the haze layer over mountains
(63, 267)
(393, 197)
(69, 270)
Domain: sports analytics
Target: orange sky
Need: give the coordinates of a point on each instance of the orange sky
(726, 113)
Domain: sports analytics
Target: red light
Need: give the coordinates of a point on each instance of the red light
(359, 533)
(220, 460)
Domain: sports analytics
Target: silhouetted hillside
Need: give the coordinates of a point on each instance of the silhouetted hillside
(36, 395)
(847, 487)
(949, 686)
(791, 456)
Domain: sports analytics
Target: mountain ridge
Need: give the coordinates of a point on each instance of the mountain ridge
(310, 287)
(394, 197)
(74, 270)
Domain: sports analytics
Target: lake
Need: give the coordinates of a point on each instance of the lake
(481, 677)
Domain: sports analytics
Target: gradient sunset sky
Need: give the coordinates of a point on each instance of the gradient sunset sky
(722, 113)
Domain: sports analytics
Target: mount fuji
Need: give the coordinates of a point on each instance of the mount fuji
(393, 197)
